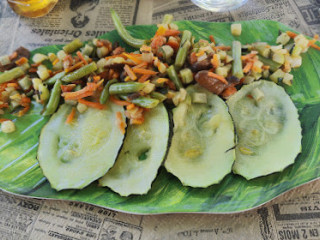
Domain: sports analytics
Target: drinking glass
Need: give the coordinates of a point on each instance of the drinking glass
(32, 8)
(219, 5)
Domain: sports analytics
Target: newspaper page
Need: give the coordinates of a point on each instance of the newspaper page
(69, 19)
(302, 15)
(294, 215)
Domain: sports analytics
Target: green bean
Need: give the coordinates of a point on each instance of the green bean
(237, 63)
(73, 46)
(273, 65)
(54, 99)
(174, 77)
(105, 93)
(158, 96)
(56, 77)
(9, 75)
(124, 34)
(144, 102)
(185, 45)
(167, 19)
(80, 73)
(123, 88)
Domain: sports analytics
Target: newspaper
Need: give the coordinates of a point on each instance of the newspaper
(294, 215)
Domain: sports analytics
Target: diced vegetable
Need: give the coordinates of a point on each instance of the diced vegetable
(236, 29)
(8, 126)
(73, 46)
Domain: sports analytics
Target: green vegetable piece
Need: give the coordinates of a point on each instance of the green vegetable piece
(158, 96)
(174, 77)
(268, 129)
(56, 77)
(124, 34)
(105, 93)
(237, 62)
(80, 73)
(54, 99)
(183, 49)
(186, 75)
(73, 46)
(144, 102)
(167, 19)
(201, 151)
(74, 155)
(123, 88)
(142, 153)
(9, 75)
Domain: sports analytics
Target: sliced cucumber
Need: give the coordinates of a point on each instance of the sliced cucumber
(142, 153)
(268, 129)
(73, 155)
(201, 151)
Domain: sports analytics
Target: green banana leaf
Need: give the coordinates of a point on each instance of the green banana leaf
(20, 172)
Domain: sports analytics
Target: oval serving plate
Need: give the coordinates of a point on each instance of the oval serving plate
(20, 172)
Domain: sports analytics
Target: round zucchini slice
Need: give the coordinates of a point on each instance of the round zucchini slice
(201, 151)
(74, 155)
(143, 151)
(267, 128)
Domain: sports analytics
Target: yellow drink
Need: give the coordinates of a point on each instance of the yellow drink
(32, 8)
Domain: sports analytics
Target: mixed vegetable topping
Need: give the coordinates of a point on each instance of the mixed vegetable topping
(88, 75)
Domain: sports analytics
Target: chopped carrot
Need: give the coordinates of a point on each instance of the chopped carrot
(130, 72)
(35, 64)
(68, 58)
(131, 106)
(145, 48)
(157, 42)
(229, 91)
(141, 65)
(4, 119)
(193, 58)
(174, 44)
(171, 85)
(291, 34)
(312, 41)
(316, 36)
(21, 61)
(23, 111)
(135, 58)
(71, 116)
(212, 39)
(14, 85)
(121, 124)
(137, 121)
(99, 43)
(13, 56)
(248, 67)
(144, 71)
(218, 77)
(215, 61)
(200, 53)
(4, 105)
(223, 48)
(92, 104)
(162, 80)
(79, 54)
(144, 78)
(74, 67)
(119, 102)
(171, 32)
(32, 70)
(114, 56)
(161, 30)
(55, 61)
(249, 56)
(68, 88)
(84, 92)
(265, 67)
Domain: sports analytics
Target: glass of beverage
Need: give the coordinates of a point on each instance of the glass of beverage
(32, 8)
(219, 5)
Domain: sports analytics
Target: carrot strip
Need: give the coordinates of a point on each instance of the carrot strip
(141, 65)
(74, 67)
(248, 56)
(121, 124)
(137, 121)
(71, 116)
(144, 71)
(131, 106)
(212, 39)
(4, 119)
(23, 111)
(79, 54)
(215, 61)
(135, 58)
(161, 30)
(21, 61)
(96, 78)
(223, 48)
(315, 46)
(248, 67)
(32, 70)
(145, 48)
(130, 72)
(174, 44)
(171, 32)
(35, 64)
(92, 104)
(144, 78)
(4, 105)
(67, 88)
(218, 77)
(162, 80)
(291, 34)
(14, 85)
(55, 61)
(229, 91)
(84, 92)
(119, 102)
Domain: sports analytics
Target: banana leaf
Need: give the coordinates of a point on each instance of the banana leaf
(20, 172)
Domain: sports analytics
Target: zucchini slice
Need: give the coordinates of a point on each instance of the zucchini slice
(74, 155)
(267, 128)
(143, 151)
(201, 151)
